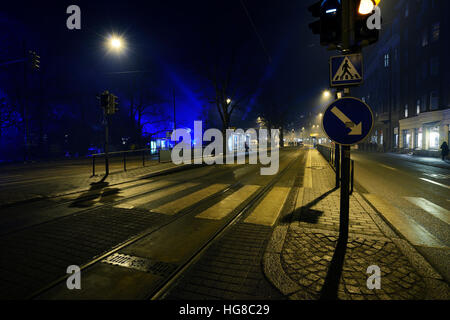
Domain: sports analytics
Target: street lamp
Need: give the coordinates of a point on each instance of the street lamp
(116, 43)
(326, 94)
(228, 101)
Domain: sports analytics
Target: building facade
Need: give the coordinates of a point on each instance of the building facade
(407, 77)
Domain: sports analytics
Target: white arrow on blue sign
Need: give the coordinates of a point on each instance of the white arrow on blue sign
(347, 121)
(346, 70)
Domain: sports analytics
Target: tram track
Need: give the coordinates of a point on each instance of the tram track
(147, 232)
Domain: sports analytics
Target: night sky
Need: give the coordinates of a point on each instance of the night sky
(173, 36)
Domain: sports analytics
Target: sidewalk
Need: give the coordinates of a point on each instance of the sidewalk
(63, 182)
(302, 247)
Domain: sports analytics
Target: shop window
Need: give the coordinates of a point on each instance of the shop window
(434, 138)
(420, 139)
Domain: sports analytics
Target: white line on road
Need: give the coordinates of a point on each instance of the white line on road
(431, 208)
(436, 183)
(390, 168)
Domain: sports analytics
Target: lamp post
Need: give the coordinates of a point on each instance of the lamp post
(114, 44)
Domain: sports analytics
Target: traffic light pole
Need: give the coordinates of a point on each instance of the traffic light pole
(333, 278)
(106, 143)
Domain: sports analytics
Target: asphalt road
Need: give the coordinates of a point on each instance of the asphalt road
(419, 192)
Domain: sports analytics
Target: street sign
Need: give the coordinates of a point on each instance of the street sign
(346, 70)
(347, 121)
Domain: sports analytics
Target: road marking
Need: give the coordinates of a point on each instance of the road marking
(307, 178)
(438, 175)
(229, 204)
(177, 205)
(387, 167)
(154, 196)
(436, 183)
(268, 210)
(411, 230)
(150, 185)
(431, 208)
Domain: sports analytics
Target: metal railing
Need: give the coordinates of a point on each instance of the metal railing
(144, 153)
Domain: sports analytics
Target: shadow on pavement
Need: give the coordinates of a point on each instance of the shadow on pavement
(305, 213)
(98, 190)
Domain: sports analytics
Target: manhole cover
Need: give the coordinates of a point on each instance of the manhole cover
(141, 264)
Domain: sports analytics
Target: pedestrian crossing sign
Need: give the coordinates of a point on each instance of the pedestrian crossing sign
(346, 70)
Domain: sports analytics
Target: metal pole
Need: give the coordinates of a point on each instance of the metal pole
(25, 109)
(143, 158)
(337, 164)
(124, 161)
(352, 176)
(93, 165)
(174, 113)
(106, 143)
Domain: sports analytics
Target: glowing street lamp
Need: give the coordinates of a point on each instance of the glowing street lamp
(326, 94)
(228, 101)
(116, 43)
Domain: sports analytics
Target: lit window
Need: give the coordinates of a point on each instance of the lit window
(435, 32)
(418, 106)
(386, 60)
(434, 138)
(406, 111)
(419, 139)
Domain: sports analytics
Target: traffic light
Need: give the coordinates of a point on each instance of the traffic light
(329, 24)
(34, 61)
(367, 22)
(104, 100)
(113, 102)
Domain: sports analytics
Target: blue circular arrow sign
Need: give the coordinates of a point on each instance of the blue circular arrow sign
(347, 121)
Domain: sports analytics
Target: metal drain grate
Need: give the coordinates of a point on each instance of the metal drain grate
(141, 264)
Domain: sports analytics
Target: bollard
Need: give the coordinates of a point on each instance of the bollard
(124, 161)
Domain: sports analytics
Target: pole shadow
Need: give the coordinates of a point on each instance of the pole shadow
(97, 190)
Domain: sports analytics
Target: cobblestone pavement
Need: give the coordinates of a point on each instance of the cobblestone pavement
(301, 250)
(230, 269)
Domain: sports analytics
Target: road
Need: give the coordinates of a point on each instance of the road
(414, 197)
(163, 225)
(164, 220)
